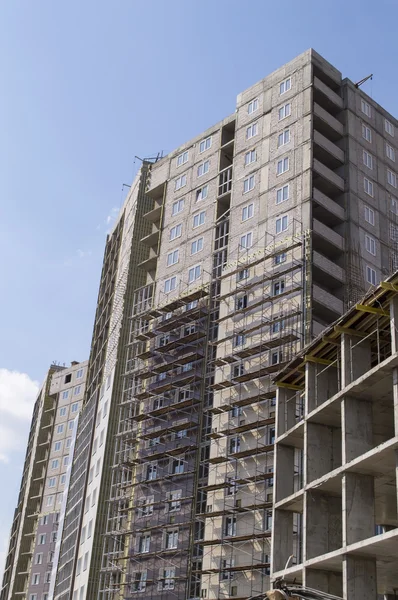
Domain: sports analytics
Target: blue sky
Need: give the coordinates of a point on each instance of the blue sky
(86, 86)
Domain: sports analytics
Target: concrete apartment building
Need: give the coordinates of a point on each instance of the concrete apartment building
(336, 499)
(228, 255)
(34, 532)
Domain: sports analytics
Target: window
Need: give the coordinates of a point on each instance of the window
(276, 357)
(230, 526)
(391, 178)
(60, 428)
(252, 106)
(197, 246)
(226, 566)
(182, 158)
(52, 482)
(79, 373)
(36, 579)
(151, 471)
(282, 166)
(370, 244)
(250, 157)
(66, 461)
(366, 133)
(194, 273)
(366, 109)
(97, 467)
(167, 579)
(62, 411)
(77, 390)
(199, 219)
(389, 127)
(205, 144)
(44, 520)
(284, 111)
(277, 326)
(71, 424)
(144, 542)
(75, 407)
(138, 583)
(246, 240)
(369, 215)
(85, 562)
(239, 340)
(248, 184)
(170, 284)
(247, 212)
(285, 86)
(281, 224)
(65, 395)
(280, 258)
(242, 274)
(50, 500)
(55, 463)
(370, 275)
(278, 288)
(63, 479)
(368, 186)
(171, 539)
(177, 207)
(68, 442)
(177, 466)
(175, 232)
(57, 446)
(202, 193)
(180, 182)
(394, 232)
(172, 257)
(39, 558)
(32, 596)
(42, 539)
(174, 502)
(282, 194)
(241, 302)
(367, 159)
(203, 168)
(102, 434)
(284, 138)
(234, 444)
(251, 131)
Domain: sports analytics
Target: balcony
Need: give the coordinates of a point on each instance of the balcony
(325, 96)
(154, 215)
(327, 124)
(328, 242)
(150, 263)
(327, 180)
(325, 269)
(325, 305)
(327, 210)
(326, 151)
(225, 181)
(152, 239)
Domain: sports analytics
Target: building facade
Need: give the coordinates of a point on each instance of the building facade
(34, 533)
(335, 512)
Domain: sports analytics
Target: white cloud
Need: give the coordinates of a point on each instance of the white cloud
(18, 393)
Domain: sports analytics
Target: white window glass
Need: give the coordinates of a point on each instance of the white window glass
(180, 182)
(205, 144)
(230, 526)
(79, 374)
(278, 288)
(282, 194)
(199, 219)
(370, 244)
(144, 542)
(60, 428)
(370, 275)
(366, 108)
(54, 464)
(246, 240)
(63, 479)
(194, 273)
(62, 411)
(282, 165)
(284, 138)
(68, 442)
(249, 183)
(66, 461)
(52, 482)
(368, 186)
(369, 215)
(75, 407)
(390, 152)
(367, 159)
(252, 106)
(203, 168)
(285, 85)
(284, 111)
(50, 500)
(281, 224)
(172, 257)
(177, 207)
(175, 232)
(250, 157)
(202, 193)
(366, 133)
(172, 538)
(391, 178)
(77, 390)
(280, 258)
(36, 579)
(197, 246)
(170, 284)
(247, 212)
(251, 131)
(71, 424)
(182, 158)
(389, 127)
(57, 446)
(65, 395)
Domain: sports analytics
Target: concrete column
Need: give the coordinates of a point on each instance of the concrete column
(285, 410)
(355, 358)
(321, 384)
(394, 324)
(284, 465)
(358, 508)
(395, 398)
(322, 451)
(282, 544)
(359, 578)
(323, 531)
(357, 427)
(324, 581)
(310, 387)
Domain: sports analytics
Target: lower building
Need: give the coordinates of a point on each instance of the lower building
(335, 522)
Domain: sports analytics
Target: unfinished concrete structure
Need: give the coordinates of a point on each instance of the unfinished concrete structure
(336, 494)
(29, 563)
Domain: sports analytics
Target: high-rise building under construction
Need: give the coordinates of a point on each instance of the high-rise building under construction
(228, 255)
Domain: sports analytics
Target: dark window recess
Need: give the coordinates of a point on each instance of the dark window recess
(68, 378)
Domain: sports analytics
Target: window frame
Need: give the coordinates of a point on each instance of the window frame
(249, 208)
(198, 215)
(366, 108)
(284, 137)
(252, 106)
(285, 111)
(173, 257)
(184, 156)
(368, 187)
(283, 162)
(207, 144)
(203, 168)
(193, 270)
(365, 131)
(177, 204)
(367, 158)
(370, 244)
(252, 130)
(249, 154)
(370, 271)
(389, 127)
(170, 280)
(247, 183)
(369, 212)
(281, 219)
(283, 88)
(198, 241)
